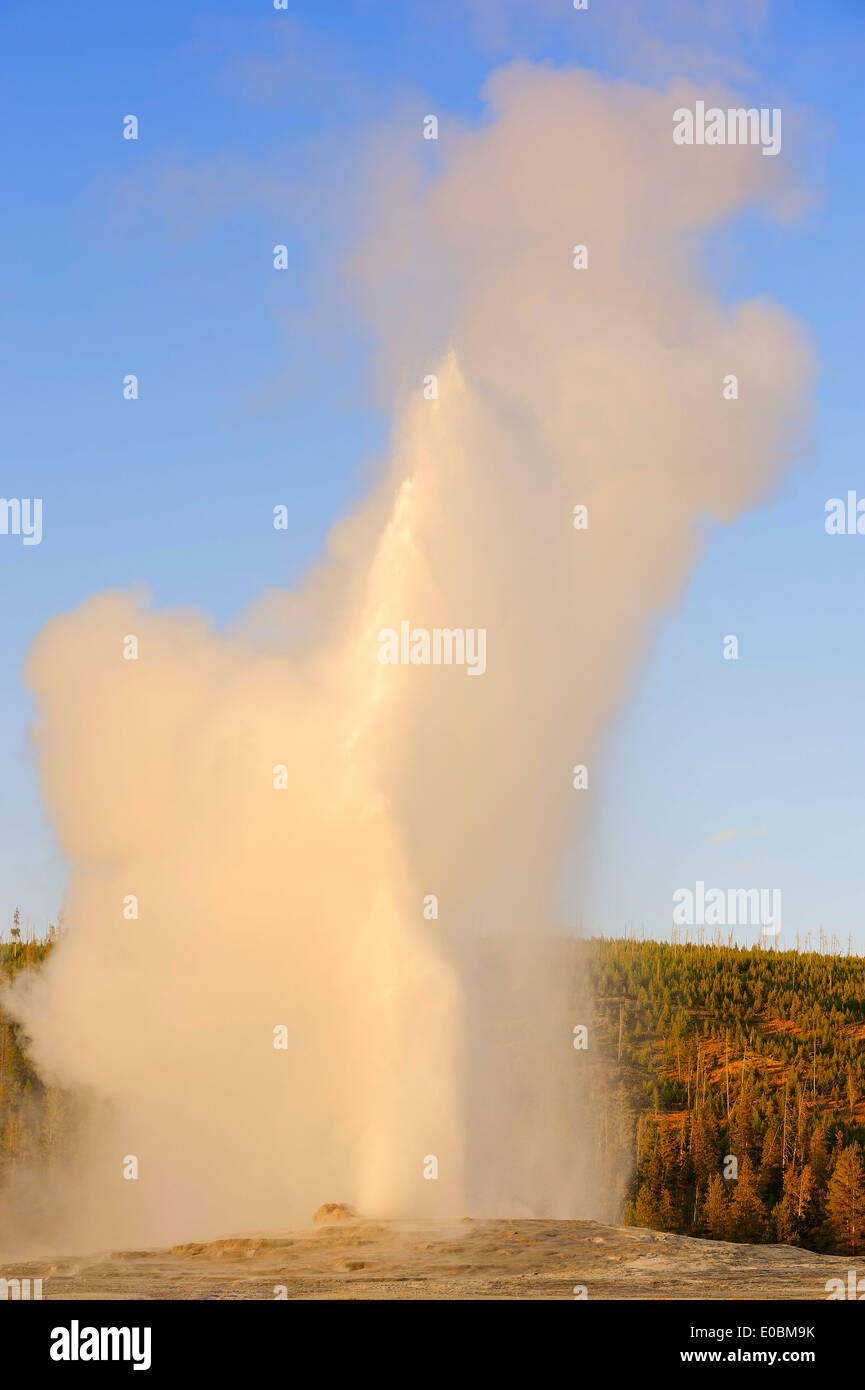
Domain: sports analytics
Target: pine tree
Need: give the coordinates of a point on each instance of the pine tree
(716, 1210)
(647, 1209)
(748, 1220)
(668, 1217)
(845, 1202)
(793, 1216)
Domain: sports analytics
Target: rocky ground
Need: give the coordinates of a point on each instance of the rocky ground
(353, 1258)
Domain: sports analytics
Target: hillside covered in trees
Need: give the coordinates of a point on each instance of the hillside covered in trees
(740, 1077)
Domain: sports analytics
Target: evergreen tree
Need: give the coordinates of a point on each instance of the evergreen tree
(748, 1221)
(846, 1201)
(715, 1216)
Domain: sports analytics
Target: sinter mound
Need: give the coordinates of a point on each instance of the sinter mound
(334, 1211)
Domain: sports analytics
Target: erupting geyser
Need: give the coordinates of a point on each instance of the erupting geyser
(281, 803)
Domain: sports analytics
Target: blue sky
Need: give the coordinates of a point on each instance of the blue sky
(153, 257)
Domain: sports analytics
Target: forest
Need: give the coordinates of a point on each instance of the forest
(740, 1080)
